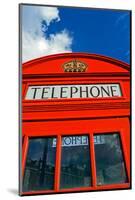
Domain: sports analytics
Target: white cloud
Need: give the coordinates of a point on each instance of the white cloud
(36, 44)
(50, 14)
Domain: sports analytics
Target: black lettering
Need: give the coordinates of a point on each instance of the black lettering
(113, 90)
(73, 91)
(85, 140)
(62, 92)
(79, 139)
(91, 91)
(44, 92)
(74, 140)
(67, 140)
(95, 139)
(82, 91)
(52, 96)
(105, 91)
(35, 91)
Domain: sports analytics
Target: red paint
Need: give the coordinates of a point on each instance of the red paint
(77, 116)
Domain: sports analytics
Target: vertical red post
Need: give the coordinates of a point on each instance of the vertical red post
(24, 153)
(57, 164)
(92, 158)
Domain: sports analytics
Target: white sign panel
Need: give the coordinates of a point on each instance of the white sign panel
(73, 91)
(78, 141)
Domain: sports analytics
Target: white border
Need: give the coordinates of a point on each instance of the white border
(9, 98)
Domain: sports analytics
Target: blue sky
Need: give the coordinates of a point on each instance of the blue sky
(63, 29)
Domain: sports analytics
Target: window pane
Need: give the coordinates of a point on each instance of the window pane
(75, 162)
(109, 159)
(40, 165)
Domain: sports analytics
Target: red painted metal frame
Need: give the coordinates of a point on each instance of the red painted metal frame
(24, 153)
(120, 126)
(76, 116)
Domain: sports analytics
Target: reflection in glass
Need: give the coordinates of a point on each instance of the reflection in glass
(40, 165)
(75, 162)
(109, 160)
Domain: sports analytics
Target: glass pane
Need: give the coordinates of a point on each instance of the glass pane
(75, 162)
(109, 159)
(40, 165)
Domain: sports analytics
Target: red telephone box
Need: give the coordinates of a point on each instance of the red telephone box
(75, 124)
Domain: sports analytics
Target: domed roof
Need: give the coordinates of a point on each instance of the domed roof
(74, 64)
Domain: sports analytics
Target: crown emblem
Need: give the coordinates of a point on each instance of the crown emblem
(74, 66)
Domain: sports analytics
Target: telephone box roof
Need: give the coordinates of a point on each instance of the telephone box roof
(56, 64)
